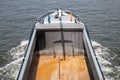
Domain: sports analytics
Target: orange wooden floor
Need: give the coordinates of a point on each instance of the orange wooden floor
(73, 68)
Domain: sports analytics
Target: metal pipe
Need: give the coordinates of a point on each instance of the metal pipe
(62, 34)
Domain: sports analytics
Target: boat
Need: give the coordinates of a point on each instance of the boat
(60, 49)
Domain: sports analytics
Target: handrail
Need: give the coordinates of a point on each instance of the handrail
(94, 52)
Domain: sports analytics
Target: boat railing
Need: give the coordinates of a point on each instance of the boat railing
(92, 52)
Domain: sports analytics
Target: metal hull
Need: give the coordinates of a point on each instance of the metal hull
(45, 46)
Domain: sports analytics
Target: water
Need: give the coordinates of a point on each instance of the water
(101, 17)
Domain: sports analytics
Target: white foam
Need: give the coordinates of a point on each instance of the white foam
(18, 51)
(10, 71)
(24, 43)
(105, 56)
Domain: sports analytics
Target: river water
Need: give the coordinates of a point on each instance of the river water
(102, 18)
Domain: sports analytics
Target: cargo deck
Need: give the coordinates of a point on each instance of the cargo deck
(48, 68)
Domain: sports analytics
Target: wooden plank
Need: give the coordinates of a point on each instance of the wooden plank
(73, 68)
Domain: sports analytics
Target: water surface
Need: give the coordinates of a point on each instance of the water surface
(102, 17)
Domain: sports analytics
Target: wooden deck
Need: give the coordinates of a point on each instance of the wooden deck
(49, 68)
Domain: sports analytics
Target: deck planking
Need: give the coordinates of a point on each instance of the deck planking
(72, 68)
